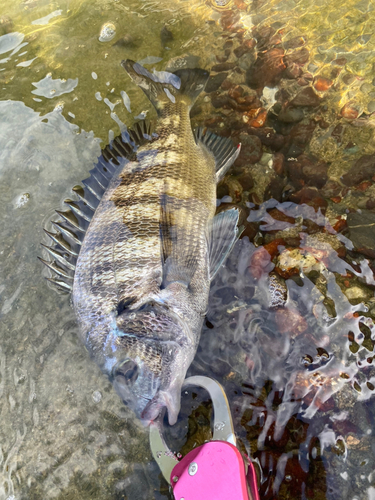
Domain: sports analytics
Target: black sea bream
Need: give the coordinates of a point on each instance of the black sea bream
(148, 253)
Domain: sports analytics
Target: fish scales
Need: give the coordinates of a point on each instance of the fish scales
(142, 276)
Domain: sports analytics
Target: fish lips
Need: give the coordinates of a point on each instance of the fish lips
(163, 399)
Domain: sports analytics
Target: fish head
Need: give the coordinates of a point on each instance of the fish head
(153, 348)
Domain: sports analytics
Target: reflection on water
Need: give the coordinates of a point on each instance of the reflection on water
(290, 331)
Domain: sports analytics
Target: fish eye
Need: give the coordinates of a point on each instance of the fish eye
(127, 372)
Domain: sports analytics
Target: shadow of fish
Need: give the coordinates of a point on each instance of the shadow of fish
(140, 247)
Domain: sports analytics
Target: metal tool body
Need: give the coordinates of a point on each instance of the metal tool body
(215, 469)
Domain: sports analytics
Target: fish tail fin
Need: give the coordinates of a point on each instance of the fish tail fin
(184, 85)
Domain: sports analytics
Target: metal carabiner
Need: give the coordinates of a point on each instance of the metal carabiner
(215, 469)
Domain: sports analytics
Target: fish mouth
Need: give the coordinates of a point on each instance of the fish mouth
(154, 408)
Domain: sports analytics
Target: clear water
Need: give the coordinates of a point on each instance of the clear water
(300, 378)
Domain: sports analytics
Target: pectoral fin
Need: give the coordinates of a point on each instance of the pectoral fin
(224, 152)
(222, 235)
(179, 252)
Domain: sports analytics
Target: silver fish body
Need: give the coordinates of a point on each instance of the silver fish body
(143, 273)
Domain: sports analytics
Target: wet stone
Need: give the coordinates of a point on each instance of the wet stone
(269, 137)
(295, 42)
(314, 174)
(331, 189)
(362, 232)
(291, 115)
(226, 66)
(183, 61)
(245, 48)
(236, 92)
(306, 97)
(214, 82)
(310, 196)
(363, 169)
(165, 36)
(337, 133)
(350, 111)
(251, 149)
(126, 41)
(278, 163)
(246, 180)
(322, 84)
(300, 57)
(219, 100)
(275, 189)
(300, 136)
(267, 69)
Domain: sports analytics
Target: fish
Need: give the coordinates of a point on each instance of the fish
(141, 244)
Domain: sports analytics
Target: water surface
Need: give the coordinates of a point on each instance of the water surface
(290, 330)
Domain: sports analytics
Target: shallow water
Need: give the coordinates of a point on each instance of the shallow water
(290, 330)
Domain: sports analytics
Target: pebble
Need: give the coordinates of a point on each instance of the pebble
(290, 321)
(278, 163)
(165, 35)
(300, 57)
(371, 107)
(290, 115)
(183, 61)
(97, 396)
(226, 66)
(126, 41)
(363, 169)
(310, 196)
(350, 111)
(214, 82)
(251, 149)
(6, 25)
(306, 97)
(322, 84)
(219, 100)
(107, 32)
(293, 43)
(315, 174)
(269, 137)
(245, 48)
(260, 119)
(275, 189)
(267, 69)
(362, 232)
(22, 200)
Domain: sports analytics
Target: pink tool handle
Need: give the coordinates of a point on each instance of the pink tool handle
(215, 470)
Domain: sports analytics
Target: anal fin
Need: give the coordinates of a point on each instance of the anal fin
(222, 235)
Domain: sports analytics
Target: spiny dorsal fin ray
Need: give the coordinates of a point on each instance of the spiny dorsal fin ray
(75, 221)
(71, 219)
(222, 234)
(77, 209)
(59, 257)
(56, 269)
(67, 233)
(60, 240)
(60, 284)
(224, 152)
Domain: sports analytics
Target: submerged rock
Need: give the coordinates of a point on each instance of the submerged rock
(362, 232)
(306, 97)
(267, 69)
(215, 81)
(362, 170)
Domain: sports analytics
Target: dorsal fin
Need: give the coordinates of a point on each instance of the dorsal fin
(222, 148)
(72, 224)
